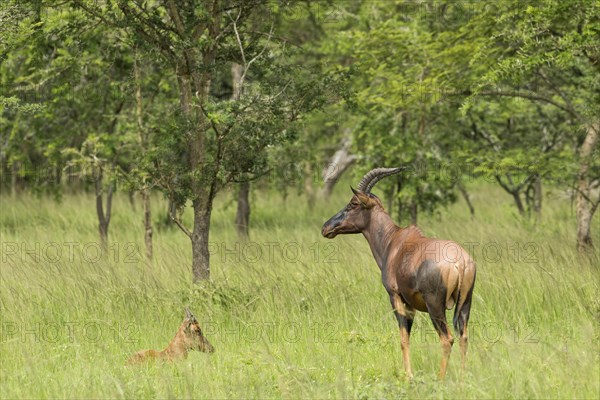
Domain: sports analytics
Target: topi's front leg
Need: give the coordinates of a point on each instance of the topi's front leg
(405, 317)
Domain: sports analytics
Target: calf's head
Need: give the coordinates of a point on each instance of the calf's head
(193, 337)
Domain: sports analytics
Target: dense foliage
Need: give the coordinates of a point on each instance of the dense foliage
(144, 96)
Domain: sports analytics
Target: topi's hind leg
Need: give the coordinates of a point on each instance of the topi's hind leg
(461, 319)
(437, 312)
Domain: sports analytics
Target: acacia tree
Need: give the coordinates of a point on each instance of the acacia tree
(304, 28)
(400, 118)
(518, 144)
(74, 74)
(209, 141)
(30, 155)
(548, 53)
(143, 139)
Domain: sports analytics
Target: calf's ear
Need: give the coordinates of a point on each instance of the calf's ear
(189, 315)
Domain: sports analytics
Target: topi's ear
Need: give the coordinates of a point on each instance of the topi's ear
(364, 198)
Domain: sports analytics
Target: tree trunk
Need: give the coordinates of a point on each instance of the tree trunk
(413, 213)
(586, 205)
(200, 253)
(204, 186)
(194, 67)
(237, 71)
(518, 202)
(242, 218)
(202, 205)
(309, 190)
(102, 228)
(389, 197)
(103, 215)
(14, 181)
(147, 223)
(533, 195)
(584, 227)
(171, 210)
(400, 205)
(463, 191)
(143, 140)
(513, 190)
(203, 183)
(339, 163)
(131, 196)
(4, 179)
(537, 197)
(58, 173)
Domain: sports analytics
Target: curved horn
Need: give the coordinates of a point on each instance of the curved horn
(374, 176)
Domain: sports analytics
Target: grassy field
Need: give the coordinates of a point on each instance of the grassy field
(290, 313)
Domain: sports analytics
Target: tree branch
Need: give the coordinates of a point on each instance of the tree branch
(562, 95)
(156, 38)
(534, 97)
(159, 40)
(247, 65)
(174, 14)
(180, 225)
(486, 136)
(237, 35)
(99, 204)
(109, 196)
(94, 13)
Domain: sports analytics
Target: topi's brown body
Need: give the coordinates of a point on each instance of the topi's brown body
(419, 273)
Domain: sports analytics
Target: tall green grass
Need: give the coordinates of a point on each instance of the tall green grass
(290, 313)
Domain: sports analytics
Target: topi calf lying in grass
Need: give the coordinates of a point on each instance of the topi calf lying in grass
(189, 337)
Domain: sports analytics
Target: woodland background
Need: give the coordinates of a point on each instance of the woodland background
(131, 130)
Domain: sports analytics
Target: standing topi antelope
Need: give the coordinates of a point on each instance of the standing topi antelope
(188, 337)
(419, 273)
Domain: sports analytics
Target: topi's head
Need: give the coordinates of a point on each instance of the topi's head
(355, 217)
